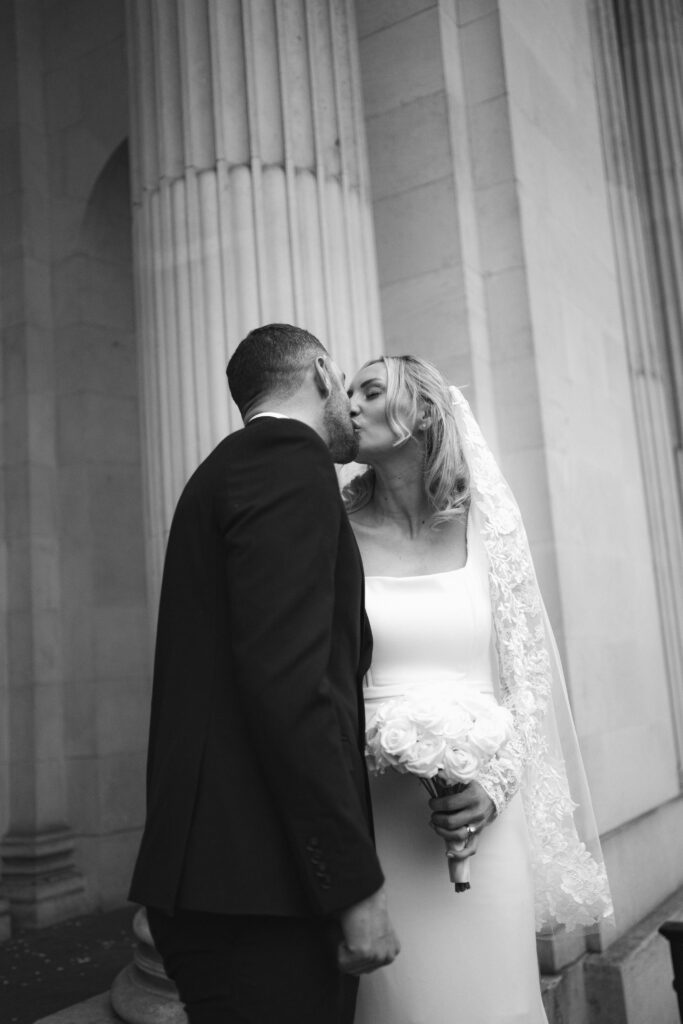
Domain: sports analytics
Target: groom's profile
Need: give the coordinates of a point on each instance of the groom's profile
(257, 866)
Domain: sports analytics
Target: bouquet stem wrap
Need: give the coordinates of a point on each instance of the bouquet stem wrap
(458, 870)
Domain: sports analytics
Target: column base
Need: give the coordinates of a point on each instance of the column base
(142, 993)
(39, 879)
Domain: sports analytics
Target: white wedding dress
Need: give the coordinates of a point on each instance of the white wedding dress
(466, 958)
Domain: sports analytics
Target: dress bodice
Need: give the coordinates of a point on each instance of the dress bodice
(432, 631)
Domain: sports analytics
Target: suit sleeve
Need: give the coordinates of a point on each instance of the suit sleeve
(281, 542)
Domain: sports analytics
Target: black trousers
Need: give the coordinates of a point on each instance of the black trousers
(254, 970)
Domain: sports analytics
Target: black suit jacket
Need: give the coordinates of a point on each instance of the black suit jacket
(257, 797)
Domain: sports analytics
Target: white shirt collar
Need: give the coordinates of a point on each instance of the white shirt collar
(275, 415)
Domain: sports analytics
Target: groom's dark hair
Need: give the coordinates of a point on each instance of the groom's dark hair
(271, 360)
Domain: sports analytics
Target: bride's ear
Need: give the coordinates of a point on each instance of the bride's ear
(424, 419)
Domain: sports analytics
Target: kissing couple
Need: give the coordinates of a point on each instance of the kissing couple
(275, 872)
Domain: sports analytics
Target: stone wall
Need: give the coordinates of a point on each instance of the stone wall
(104, 603)
(85, 602)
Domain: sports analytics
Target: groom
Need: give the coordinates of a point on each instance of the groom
(264, 893)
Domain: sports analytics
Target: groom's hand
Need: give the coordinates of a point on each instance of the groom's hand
(451, 815)
(369, 940)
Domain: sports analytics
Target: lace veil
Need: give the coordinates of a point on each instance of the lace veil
(543, 759)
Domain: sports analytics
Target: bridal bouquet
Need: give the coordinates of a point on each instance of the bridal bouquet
(445, 743)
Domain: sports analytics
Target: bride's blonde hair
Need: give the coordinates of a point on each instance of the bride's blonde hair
(446, 475)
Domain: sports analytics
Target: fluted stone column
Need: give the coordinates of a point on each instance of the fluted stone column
(250, 205)
(650, 39)
(639, 59)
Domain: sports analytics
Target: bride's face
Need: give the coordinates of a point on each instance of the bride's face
(368, 395)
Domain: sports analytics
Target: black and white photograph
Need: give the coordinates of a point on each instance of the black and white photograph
(341, 512)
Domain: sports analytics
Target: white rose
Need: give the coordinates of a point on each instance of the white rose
(460, 765)
(426, 756)
(457, 724)
(397, 737)
(490, 731)
(428, 717)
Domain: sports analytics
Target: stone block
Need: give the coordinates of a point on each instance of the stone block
(80, 716)
(47, 722)
(13, 312)
(417, 232)
(509, 319)
(74, 28)
(40, 365)
(525, 471)
(107, 294)
(20, 719)
(482, 59)
(122, 791)
(564, 995)
(45, 573)
(643, 864)
(17, 522)
(118, 550)
(500, 226)
(97, 359)
(41, 414)
(402, 63)
(85, 810)
(9, 95)
(10, 158)
(631, 982)
(47, 646)
(50, 789)
(69, 274)
(66, 220)
(63, 97)
(374, 15)
(83, 155)
(74, 508)
(609, 756)
(121, 642)
(409, 146)
(11, 219)
(98, 428)
(518, 410)
(117, 853)
(426, 314)
(471, 10)
(490, 142)
(104, 85)
(123, 716)
(19, 648)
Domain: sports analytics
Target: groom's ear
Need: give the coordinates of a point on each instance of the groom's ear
(322, 376)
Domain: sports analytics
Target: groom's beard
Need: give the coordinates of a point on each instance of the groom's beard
(342, 440)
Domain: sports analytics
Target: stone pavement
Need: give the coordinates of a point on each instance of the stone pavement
(46, 970)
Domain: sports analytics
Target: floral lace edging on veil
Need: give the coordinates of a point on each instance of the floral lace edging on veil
(570, 881)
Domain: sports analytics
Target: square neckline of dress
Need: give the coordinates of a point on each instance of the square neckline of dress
(444, 572)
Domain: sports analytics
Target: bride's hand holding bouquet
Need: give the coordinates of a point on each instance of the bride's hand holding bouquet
(445, 743)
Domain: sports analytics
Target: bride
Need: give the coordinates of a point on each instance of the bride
(454, 607)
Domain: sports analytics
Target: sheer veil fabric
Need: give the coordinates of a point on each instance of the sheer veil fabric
(542, 760)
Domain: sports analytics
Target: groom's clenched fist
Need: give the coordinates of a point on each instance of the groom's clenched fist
(369, 940)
